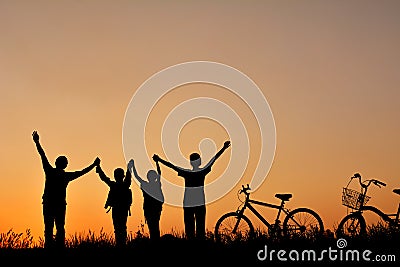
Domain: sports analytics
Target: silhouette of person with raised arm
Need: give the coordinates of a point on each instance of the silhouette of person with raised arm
(54, 195)
(119, 200)
(153, 199)
(194, 208)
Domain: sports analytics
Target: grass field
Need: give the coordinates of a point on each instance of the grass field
(173, 249)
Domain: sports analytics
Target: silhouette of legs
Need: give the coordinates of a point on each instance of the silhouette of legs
(188, 218)
(195, 222)
(54, 215)
(48, 215)
(60, 223)
(153, 223)
(120, 218)
(200, 216)
(153, 229)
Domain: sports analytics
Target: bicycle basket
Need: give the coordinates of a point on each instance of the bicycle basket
(353, 199)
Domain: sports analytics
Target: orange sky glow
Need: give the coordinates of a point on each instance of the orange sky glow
(328, 69)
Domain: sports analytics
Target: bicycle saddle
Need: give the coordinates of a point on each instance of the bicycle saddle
(396, 191)
(283, 197)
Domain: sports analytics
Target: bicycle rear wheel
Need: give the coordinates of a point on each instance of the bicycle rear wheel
(302, 222)
(352, 225)
(376, 221)
(232, 227)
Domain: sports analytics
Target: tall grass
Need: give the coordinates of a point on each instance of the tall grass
(91, 239)
(13, 240)
(377, 232)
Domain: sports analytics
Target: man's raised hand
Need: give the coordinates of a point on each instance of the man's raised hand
(35, 136)
(156, 158)
(227, 144)
(131, 164)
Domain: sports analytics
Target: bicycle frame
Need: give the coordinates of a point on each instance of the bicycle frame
(247, 205)
(385, 216)
(364, 190)
(300, 221)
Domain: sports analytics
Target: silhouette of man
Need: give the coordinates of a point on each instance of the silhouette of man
(153, 199)
(119, 199)
(54, 196)
(194, 208)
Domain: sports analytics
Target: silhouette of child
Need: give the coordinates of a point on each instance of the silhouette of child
(119, 200)
(153, 199)
(194, 208)
(54, 195)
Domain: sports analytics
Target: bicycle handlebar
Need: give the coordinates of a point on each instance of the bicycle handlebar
(245, 189)
(378, 183)
(367, 183)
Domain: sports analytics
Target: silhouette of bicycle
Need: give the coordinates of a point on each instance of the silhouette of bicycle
(354, 223)
(236, 226)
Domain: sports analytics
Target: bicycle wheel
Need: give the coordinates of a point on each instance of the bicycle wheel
(233, 227)
(302, 222)
(375, 221)
(352, 225)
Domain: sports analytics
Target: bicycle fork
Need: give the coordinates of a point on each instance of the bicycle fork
(239, 214)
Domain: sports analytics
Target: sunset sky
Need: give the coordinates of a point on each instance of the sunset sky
(329, 71)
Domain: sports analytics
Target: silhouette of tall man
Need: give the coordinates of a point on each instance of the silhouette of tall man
(54, 196)
(194, 208)
(119, 199)
(153, 199)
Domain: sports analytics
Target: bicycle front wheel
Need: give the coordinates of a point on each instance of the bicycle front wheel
(302, 222)
(233, 227)
(352, 225)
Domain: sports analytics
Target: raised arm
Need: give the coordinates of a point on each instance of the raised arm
(131, 165)
(128, 176)
(102, 175)
(218, 154)
(77, 174)
(156, 158)
(158, 168)
(45, 161)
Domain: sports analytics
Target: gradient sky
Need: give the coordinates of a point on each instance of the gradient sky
(328, 69)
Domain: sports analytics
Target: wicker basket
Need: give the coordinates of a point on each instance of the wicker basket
(353, 199)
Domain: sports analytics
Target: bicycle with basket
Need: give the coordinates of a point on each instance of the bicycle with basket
(354, 223)
(353, 199)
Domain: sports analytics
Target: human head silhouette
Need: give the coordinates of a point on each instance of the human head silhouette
(152, 176)
(195, 160)
(61, 162)
(119, 174)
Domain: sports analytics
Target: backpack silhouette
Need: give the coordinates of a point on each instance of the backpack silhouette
(119, 197)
